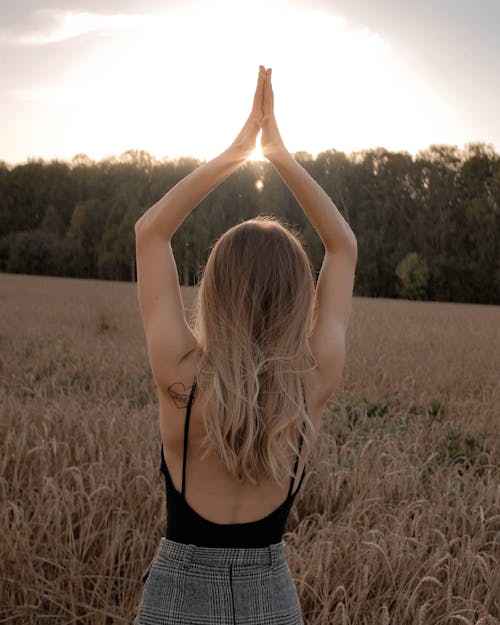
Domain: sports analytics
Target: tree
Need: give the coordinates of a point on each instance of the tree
(86, 228)
(413, 274)
(52, 221)
(442, 204)
(124, 245)
(42, 253)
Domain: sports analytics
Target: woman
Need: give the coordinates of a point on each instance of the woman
(248, 386)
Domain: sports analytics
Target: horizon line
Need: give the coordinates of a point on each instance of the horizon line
(488, 145)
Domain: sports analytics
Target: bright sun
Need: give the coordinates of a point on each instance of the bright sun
(257, 155)
(182, 83)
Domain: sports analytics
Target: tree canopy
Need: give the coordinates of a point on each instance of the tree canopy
(428, 226)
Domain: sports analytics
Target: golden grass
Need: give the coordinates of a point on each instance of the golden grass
(398, 520)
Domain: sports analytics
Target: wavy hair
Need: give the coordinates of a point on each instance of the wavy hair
(253, 314)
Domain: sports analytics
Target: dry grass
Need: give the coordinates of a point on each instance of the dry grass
(398, 521)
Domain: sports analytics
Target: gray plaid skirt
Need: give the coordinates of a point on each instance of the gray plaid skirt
(191, 585)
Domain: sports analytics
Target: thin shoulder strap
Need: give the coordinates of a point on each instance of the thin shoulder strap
(186, 430)
(300, 447)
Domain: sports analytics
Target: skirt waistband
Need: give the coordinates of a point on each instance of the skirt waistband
(223, 556)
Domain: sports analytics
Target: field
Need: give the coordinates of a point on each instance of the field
(397, 522)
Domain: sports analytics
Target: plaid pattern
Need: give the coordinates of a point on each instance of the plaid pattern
(191, 585)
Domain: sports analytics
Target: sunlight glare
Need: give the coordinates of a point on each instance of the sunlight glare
(257, 154)
(169, 85)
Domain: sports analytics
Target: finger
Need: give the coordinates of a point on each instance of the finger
(268, 100)
(259, 91)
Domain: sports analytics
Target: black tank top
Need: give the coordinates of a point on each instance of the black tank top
(185, 525)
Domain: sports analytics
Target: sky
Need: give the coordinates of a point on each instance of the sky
(176, 78)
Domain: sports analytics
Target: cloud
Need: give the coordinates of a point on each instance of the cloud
(66, 25)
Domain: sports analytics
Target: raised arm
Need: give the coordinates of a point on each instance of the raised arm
(166, 216)
(331, 227)
(168, 335)
(336, 279)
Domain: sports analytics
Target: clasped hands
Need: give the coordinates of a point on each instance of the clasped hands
(261, 118)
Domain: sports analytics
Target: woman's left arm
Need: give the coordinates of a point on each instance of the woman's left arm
(169, 212)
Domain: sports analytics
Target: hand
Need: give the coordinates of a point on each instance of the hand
(245, 142)
(271, 141)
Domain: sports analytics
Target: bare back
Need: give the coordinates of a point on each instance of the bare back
(210, 489)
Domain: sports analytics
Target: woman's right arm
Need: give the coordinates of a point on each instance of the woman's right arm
(332, 228)
(335, 282)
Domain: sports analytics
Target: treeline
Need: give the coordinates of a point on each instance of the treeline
(427, 225)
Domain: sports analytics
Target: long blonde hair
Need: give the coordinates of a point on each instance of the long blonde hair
(253, 314)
